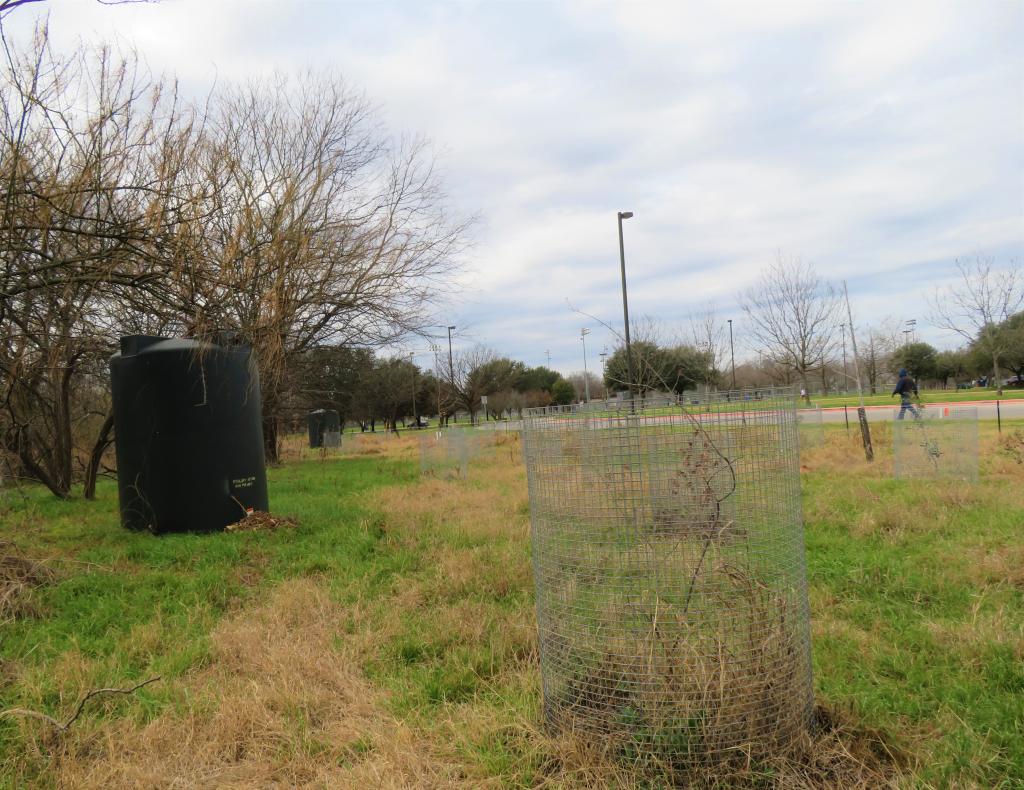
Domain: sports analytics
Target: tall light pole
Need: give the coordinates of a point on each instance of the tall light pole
(846, 377)
(912, 328)
(415, 416)
(451, 375)
(548, 353)
(436, 350)
(732, 355)
(586, 377)
(625, 302)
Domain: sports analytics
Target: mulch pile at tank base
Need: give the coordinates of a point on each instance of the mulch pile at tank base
(19, 576)
(261, 520)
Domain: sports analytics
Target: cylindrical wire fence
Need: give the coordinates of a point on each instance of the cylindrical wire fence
(932, 443)
(448, 452)
(670, 573)
(812, 427)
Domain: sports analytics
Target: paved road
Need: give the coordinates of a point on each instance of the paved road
(1010, 409)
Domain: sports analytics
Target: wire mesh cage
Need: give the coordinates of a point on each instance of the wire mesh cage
(812, 427)
(936, 443)
(671, 582)
(447, 452)
(366, 442)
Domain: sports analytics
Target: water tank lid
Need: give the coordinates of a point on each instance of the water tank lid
(133, 344)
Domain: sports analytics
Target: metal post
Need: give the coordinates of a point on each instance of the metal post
(846, 414)
(732, 355)
(586, 378)
(862, 417)
(999, 417)
(625, 304)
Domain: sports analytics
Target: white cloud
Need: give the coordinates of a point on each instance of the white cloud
(879, 140)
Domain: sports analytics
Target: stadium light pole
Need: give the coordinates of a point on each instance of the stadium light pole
(586, 378)
(625, 302)
(732, 355)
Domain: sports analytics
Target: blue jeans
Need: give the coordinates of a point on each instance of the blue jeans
(905, 406)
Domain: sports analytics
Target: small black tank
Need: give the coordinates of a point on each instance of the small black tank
(188, 434)
(324, 427)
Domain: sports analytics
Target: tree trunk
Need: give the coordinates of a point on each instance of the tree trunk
(38, 471)
(103, 441)
(999, 378)
(270, 437)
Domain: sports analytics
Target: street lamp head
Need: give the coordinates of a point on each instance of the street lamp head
(625, 214)
(451, 327)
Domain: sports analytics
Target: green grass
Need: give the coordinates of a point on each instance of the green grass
(917, 599)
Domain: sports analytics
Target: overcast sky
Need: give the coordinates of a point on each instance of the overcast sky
(881, 141)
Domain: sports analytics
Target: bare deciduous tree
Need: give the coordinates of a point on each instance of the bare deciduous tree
(792, 316)
(281, 211)
(89, 146)
(978, 306)
(469, 377)
(710, 334)
(7, 6)
(314, 228)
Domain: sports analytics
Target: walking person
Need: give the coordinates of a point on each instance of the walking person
(904, 387)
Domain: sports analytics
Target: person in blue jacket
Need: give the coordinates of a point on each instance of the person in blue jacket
(904, 387)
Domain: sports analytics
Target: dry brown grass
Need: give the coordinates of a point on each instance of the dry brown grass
(20, 577)
(281, 705)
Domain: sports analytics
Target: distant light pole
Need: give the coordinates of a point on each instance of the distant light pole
(415, 416)
(451, 375)
(586, 378)
(436, 350)
(625, 302)
(846, 377)
(732, 355)
(548, 353)
(604, 362)
(912, 328)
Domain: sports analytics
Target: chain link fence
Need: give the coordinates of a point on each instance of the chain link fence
(671, 583)
(936, 443)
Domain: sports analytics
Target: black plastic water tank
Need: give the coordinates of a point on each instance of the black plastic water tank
(188, 434)
(320, 423)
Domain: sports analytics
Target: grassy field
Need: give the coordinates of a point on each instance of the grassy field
(388, 640)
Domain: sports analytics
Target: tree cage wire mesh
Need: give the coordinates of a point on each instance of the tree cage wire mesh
(448, 451)
(670, 573)
(812, 427)
(938, 443)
